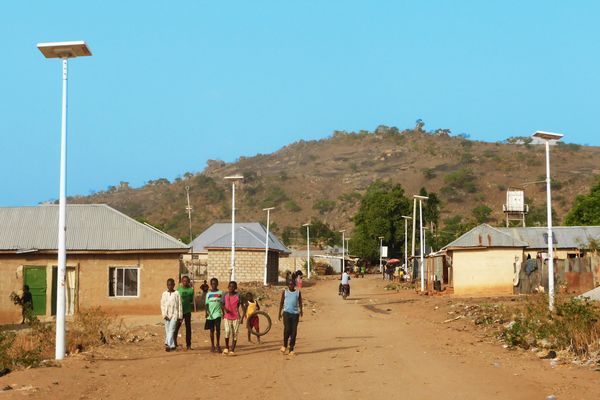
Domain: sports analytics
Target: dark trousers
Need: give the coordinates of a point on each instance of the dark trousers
(290, 328)
(187, 318)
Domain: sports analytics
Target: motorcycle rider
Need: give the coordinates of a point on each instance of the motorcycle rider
(345, 282)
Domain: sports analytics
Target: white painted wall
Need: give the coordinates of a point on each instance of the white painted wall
(484, 271)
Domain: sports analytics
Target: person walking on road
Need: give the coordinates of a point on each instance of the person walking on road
(215, 308)
(172, 312)
(290, 309)
(186, 292)
(232, 318)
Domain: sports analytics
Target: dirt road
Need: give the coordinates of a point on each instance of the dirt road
(376, 344)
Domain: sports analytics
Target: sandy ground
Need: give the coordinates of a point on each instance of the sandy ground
(376, 344)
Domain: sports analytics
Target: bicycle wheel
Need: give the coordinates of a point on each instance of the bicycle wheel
(264, 323)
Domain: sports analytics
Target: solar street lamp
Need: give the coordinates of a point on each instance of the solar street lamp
(233, 180)
(406, 218)
(268, 210)
(380, 254)
(64, 51)
(421, 239)
(547, 137)
(343, 232)
(307, 225)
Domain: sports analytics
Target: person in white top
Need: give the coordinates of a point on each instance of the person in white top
(172, 312)
(345, 282)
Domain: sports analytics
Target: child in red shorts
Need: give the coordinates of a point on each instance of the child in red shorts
(250, 306)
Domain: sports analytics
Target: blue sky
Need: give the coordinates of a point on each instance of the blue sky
(172, 84)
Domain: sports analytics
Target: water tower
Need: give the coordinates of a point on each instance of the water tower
(515, 208)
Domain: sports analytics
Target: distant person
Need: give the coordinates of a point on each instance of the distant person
(215, 305)
(250, 306)
(290, 309)
(298, 279)
(204, 289)
(344, 282)
(172, 312)
(232, 317)
(186, 292)
(26, 301)
(363, 270)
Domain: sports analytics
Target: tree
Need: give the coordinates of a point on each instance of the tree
(380, 214)
(321, 234)
(586, 208)
(481, 213)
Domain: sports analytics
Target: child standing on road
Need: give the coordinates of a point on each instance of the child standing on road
(186, 292)
(290, 308)
(232, 317)
(214, 313)
(172, 312)
(250, 307)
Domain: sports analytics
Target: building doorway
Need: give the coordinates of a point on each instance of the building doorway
(35, 278)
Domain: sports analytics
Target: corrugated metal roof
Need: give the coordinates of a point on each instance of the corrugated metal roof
(563, 237)
(89, 227)
(248, 235)
(485, 235)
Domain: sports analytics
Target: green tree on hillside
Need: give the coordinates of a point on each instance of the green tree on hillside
(586, 208)
(380, 214)
(481, 213)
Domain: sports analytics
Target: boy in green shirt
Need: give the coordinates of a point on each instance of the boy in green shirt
(215, 309)
(186, 292)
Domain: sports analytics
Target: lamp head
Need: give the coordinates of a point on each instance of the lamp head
(548, 135)
(64, 49)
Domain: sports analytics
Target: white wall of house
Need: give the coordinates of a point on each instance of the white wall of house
(484, 271)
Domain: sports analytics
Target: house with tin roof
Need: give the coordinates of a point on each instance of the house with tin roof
(113, 261)
(488, 260)
(214, 246)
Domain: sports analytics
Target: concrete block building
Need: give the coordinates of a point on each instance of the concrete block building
(215, 244)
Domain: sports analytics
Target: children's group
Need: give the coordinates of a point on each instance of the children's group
(229, 309)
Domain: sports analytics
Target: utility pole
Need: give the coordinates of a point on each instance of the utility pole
(193, 268)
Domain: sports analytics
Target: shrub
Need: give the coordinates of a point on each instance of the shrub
(324, 206)
(428, 173)
(462, 179)
(292, 206)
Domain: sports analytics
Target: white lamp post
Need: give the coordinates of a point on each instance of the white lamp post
(233, 180)
(421, 240)
(380, 254)
(406, 218)
(307, 225)
(63, 50)
(547, 137)
(268, 210)
(343, 232)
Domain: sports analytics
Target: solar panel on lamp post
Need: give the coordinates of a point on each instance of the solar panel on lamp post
(421, 239)
(268, 210)
(64, 51)
(307, 225)
(547, 137)
(233, 180)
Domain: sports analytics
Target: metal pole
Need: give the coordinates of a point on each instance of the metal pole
(406, 244)
(380, 255)
(414, 225)
(308, 250)
(233, 231)
(421, 244)
(193, 269)
(62, 224)
(343, 255)
(550, 240)
(267, 247)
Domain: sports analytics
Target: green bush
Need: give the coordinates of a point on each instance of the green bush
(324, 206)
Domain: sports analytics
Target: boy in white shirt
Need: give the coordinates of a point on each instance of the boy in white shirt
(172, 312)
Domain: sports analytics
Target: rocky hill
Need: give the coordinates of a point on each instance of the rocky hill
(325, 179)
